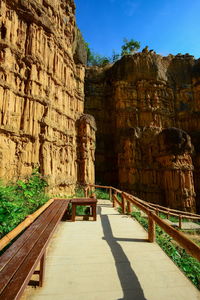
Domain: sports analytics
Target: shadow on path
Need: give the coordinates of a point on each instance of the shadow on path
(130, 284)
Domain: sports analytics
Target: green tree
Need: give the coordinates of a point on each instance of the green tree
(115, 56)
(98, 60)
(129, 47)
(95, 59)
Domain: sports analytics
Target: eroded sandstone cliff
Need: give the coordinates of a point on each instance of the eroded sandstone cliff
(42, 94)
(147, 111)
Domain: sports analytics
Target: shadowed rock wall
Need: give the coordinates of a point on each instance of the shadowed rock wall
(140, 103)
(42, 93)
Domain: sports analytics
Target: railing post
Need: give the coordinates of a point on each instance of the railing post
(93, 195)
(123, 204)
(91, 190)
(86, 191)
(129, 207)
(180, 221)
(113, 198)
(151, 228)
(168, 215)
(110, 194)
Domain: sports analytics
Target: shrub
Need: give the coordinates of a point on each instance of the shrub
(102, 194)
(19, 200)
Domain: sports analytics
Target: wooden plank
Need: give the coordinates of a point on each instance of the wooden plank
(83, 201)
(110, 194)
(9, 269)
(123, 203)
(24, 273)
(116, 200)
(42, 269)
(176, 211)
(171, 211)
(129, 210)
(6, 256)
(180, 221)
(151, 205)
(178, 236)
(94, 212)
(16, 260)
(139, 205)
(185, 215)
(73, 212)
(151, 228)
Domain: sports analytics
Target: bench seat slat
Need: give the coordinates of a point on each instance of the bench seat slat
(6, 256)
(24, 252)
(22, 276)
(9, 270)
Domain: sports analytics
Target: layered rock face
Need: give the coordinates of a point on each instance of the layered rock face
(147, 111)
(42, 94)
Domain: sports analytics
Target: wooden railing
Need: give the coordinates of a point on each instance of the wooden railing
(157, 208)
(152, 211)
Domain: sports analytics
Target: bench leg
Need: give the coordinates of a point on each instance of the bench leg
(73, 212)
(42, 269)
(94, 212)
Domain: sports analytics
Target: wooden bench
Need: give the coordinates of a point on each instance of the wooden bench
(19, 261)
(92, 202)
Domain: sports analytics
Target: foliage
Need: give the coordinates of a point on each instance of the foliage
(32, 188)
(19, 200)
(79, 191)
(115, 56)
(189, 265)
(102, 194)
(119, 197)
(143, 221)
(119, 209)
(171, 218)
(174, 219)
(129, 47)
(95, 59)
(80, 210)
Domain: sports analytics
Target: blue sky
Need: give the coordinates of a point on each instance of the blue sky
(167, 26)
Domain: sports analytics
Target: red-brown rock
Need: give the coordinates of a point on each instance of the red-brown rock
(139, 103)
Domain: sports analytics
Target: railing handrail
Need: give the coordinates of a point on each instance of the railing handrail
(162, 209)
(153, 218)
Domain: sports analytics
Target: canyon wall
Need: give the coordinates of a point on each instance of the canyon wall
(42, 71)
(147, 111)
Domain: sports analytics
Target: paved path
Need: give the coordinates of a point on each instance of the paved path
(109, 260)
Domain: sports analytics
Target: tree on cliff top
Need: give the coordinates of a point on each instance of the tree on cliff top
(129, 46)
(95, 59)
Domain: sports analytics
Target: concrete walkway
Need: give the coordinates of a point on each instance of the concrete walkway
(109, 260)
